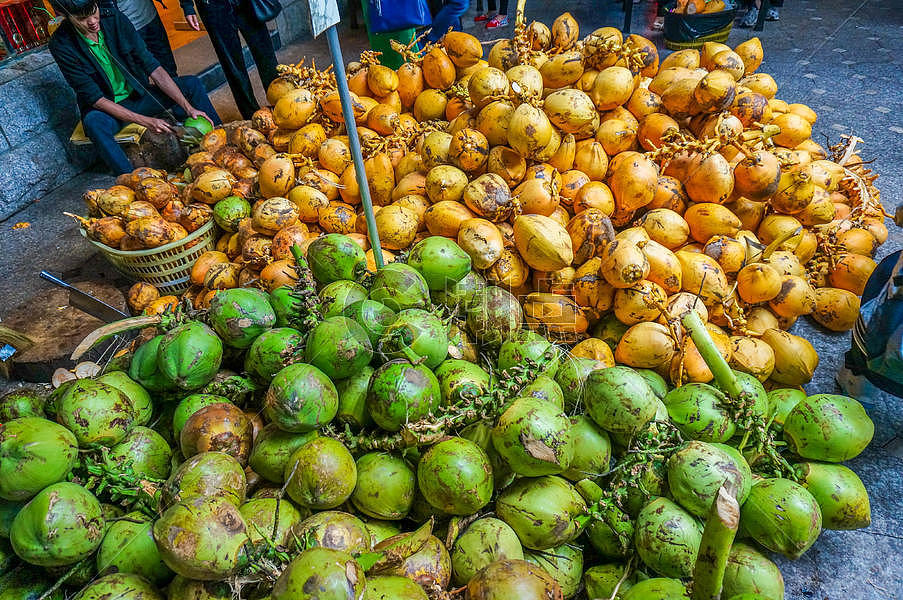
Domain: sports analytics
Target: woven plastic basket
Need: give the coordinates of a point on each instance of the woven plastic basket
(168, 267)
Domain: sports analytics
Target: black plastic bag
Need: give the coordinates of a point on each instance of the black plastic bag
(687, 28)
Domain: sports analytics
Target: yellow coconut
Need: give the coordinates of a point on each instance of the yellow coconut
(597, 195)
(623, 264)
(751, 53)
(851, 272)
(752, 355)
(526, 81)
(758, 282)
(294, 109)
(612, 88)
(482, 240)
(410, 84)
(562, 69)
(795, 191)
(836, 309)
(486, 85)
(435, 149)
(710, 179)
(664, 268)
(430, 105)
(633, 181)
(590, 158)
(462, 48)
(795, 299)
(707, 219)
(646, 345)
(640, 302)
(794, 130)
(507, 164)
(529, 130)
(703, 276)
(666, 227)
(438, 69)
(795, 359)
(492, 121)
(565, 31)
(572, 111)
(715, 91)
(544, 244)
(381, 80)
(688, 59)
(616, 136)
(563, 159)
(644, 102)
(334, 155)
(590, 231)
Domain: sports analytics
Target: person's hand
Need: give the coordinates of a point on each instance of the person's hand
(193, 22)
(192, 112)
(156, 125)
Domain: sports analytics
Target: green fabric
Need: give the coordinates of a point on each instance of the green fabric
(379, 42)
(121, 88)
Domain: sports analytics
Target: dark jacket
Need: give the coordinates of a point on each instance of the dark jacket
(81, 69)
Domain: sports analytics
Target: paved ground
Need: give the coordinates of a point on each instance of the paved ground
(843, 58)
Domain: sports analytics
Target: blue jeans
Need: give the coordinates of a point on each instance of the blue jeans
(449, 16)
(101, 127)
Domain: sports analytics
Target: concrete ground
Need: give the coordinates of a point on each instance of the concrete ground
(843, 58)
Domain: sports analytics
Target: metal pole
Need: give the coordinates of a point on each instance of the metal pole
(338, 64)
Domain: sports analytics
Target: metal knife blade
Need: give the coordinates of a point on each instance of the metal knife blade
(85, 302)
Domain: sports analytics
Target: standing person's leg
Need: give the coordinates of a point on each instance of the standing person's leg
(752, 15)
(219, 19)
(449, 16)
(100, 128)
(485, 16)
(500, 19)
(257, 36)
(156, 40)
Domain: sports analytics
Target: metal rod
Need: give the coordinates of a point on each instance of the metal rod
(338, 64)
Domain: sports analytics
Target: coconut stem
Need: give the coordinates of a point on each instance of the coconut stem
(776, 243)
(430, 429)
(724, 376)
(120, 485)
(717, 538)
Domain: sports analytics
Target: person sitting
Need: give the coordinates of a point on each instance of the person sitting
(116, 79)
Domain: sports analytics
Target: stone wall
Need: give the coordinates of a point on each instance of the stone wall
(37, 115)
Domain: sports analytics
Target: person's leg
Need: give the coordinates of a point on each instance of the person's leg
(500, 19)
(485, 16)
(100, 128)
(449, 16)
(219, 19)
(751, 16)
(154, 36)
(257, 36)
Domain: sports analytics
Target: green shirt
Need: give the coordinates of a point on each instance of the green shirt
(121, 88)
